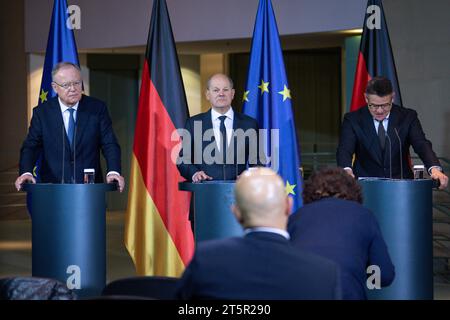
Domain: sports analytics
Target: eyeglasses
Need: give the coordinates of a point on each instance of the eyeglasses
(67, 85)
(385, 106)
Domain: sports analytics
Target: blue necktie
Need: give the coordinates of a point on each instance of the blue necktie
(223, 131)
(71, 129)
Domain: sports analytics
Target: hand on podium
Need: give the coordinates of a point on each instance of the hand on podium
(26, 177)
(116, 177)
(437, 174)
(200, 176)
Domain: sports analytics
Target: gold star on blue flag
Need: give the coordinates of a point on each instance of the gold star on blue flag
(286, 93)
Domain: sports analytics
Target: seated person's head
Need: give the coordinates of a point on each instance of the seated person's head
(261, 199)
(331, 182)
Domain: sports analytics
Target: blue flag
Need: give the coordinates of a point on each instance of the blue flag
(60, 47)
(267, 98)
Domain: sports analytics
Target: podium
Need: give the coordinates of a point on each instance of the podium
(404, 212)
(212, 201)
(68, 234)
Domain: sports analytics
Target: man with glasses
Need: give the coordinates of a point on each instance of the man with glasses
(372, 136)
(68, 132)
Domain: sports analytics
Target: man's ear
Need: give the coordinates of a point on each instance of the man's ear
(393, 96)
(289, 205)
(366, 98)
(237, 213)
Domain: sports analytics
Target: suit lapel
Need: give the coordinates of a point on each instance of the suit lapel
(236, 125)
(82, 120)
(371, 142)
(394, 121)
(207, 125)
(57, 122)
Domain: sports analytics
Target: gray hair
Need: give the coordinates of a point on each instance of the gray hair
(61, 65)
(208, 83)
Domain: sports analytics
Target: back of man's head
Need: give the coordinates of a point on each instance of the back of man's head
(261, 200)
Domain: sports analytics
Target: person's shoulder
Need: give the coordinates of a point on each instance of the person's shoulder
(404, 111)
(243, 118)
(46, 106)
(92, 101)
(218, 246)
(199, 116)
(356, 114)
(329, 205)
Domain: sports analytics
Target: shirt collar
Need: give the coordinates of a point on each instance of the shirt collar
(215, 115)
(281, 232)
(385, 119)
(64, 107)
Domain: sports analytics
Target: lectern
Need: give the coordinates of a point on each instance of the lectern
(68, 234)
(404, 212)
(213, 218)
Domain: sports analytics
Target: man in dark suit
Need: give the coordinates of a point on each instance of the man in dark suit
(202, 157)
(68, 132)
(262, 264)
(372, 135)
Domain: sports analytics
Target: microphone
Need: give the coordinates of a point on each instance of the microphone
(63, 151)
(236, 162)
(390, 155)
(74, 180)
(401, 154)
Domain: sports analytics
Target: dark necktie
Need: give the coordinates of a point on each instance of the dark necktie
(223, 132)
(71, 128)
(381, 134)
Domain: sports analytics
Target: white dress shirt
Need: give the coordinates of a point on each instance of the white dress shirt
(281, 232)
(228, 125)
(65, 113)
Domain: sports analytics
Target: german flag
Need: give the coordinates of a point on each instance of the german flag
(158, 235)
(375, 55)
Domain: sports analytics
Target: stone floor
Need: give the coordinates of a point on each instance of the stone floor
(15, 252)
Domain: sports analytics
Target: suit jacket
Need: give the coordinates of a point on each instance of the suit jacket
(261, 265)
(195, 146)
(47, 137)
(346, 233)
(359, 137)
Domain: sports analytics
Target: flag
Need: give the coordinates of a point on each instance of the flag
(267, 98)
(375, 56)
(60, 47)
(158, 234)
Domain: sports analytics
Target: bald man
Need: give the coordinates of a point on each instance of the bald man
(262, 264)
(202, 155)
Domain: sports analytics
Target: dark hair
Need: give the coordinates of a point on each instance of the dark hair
(379, 86)
(331, 182)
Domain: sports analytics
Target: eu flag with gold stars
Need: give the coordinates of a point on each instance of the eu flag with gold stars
(61, 47)
(267, 98)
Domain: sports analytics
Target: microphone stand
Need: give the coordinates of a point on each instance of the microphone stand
(390, 155)
(64, 151)
(74, 180)
(401, 154)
